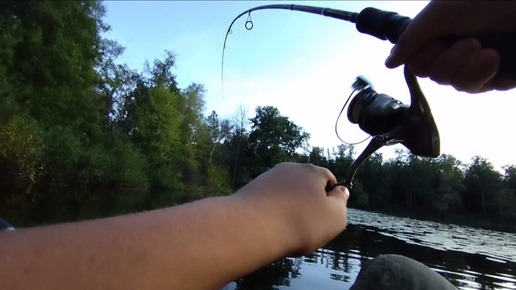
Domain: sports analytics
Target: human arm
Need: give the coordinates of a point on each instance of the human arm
(200, 245)
(465, 65)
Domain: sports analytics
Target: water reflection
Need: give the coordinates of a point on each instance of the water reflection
(272, 276)
(470, 258)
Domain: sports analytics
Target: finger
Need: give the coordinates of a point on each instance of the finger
(428, 25)
(452, 61)
(478, 72)
(327, 175)
(499, 83)
(421, 63)
(340, 192)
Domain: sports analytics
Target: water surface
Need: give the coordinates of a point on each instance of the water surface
(470, 258)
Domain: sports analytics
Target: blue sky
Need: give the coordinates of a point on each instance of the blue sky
(304, 65)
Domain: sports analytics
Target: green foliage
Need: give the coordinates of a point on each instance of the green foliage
(509, 179)
(449, 184)
(506, 202)
(53, 59)
(61, 154)
(372, 176)
(114, 162)
(209, 144)
(217, 182)
(340, 160)
(116, 81)
(358, 196)
(410, 180)
(157, 134)
(273, 139)
(191, 105)
(161, 72)
(317, 157)
(482, 185)
(164, 122)
(235, 145)
(21, 146)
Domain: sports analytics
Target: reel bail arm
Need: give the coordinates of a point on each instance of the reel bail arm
(416, 130)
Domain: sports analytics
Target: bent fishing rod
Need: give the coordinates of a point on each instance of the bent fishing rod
(387, 25)
(388, 120)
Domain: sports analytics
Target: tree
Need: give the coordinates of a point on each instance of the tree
(239, 123)
(340, 160)
(410, 180)
(191, 109)
(273, 139)
(20, 152)
(482, 185)
(359, 197)
(49, 54)
(218, 130)
(371, 174)
(317, 157)
(507, 198)
(509, 179)
(209, 146)
(157, 134)
(116, 81)
(160, 73)
(449, 179)
(53, 58)
(165, 123)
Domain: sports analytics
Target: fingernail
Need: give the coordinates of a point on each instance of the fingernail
(344, 190)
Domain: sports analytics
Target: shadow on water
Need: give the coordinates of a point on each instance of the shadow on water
(60, 204)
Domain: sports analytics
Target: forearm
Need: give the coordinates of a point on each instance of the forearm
(201, 245)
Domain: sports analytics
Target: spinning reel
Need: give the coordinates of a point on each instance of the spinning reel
(390, 122)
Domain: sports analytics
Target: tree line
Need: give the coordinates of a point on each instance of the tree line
(72, 115)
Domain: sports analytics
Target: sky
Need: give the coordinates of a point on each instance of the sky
(303, 64)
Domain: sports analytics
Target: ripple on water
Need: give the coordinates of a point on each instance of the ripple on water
(470, 258)
(500, 246)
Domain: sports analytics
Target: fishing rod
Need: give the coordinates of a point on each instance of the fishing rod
(388, 120)
(381, 24)
(387, 25)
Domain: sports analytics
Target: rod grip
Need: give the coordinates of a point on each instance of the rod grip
(386, 25)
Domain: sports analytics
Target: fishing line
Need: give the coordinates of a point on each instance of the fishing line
(249, 25)
(249, 22)
(329, 12)
(337, 122)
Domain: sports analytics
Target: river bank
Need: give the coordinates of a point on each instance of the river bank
(64, 204)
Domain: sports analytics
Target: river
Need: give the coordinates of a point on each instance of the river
(468, 257)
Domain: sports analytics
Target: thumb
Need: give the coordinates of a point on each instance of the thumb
(340, 192)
